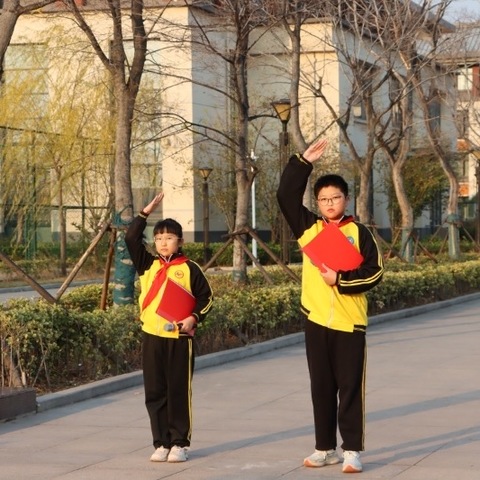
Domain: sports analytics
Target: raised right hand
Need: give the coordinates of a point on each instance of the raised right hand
(315, 150)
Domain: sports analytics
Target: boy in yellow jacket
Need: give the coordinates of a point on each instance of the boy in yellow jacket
(335, 307)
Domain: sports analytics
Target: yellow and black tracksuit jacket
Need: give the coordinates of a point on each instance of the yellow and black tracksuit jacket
(189, 275)
(344, 306)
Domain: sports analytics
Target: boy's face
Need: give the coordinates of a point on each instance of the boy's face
(167, 244)
(332, 203)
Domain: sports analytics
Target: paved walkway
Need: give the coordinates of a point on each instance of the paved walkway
(253, 417)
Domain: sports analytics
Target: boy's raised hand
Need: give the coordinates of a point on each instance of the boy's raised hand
(315, 150)
(154, 203)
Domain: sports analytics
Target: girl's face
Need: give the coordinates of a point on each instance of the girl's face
(332, 203)
(167, 244)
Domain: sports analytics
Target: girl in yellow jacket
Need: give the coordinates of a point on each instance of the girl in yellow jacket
(167, 350)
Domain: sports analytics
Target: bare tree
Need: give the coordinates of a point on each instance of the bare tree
(238, 19)
(383, 27)
(408, 36)
(432, 81)
(377, 46)
(126, 76)
(344, 32)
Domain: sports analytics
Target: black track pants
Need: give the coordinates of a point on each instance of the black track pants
(167, 375)
(337, 366)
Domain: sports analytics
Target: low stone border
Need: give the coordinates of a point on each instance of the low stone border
(16, 401)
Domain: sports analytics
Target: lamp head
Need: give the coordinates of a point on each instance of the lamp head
(283, 109)
(205, 172)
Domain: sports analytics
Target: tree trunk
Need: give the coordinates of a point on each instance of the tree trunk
(63, 228)
(243, 182)
(239, 271)
(405, 209)
(8, 19)
(363, 200)
(125, 92)
(453, 218)
(124, 277)
(241, 221)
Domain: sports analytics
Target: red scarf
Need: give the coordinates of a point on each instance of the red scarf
(160, 278)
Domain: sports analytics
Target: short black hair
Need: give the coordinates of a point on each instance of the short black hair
(330, 180)
(168, 225)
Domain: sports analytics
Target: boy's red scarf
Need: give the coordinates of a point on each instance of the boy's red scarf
(160, 278)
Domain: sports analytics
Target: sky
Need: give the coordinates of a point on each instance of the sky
(463, 10)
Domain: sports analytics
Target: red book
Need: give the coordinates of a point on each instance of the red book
(332, 248)
(177, 303)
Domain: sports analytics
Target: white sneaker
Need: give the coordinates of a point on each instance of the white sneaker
(160, 455)
(320, 458)
(177, 454)
(351, 462)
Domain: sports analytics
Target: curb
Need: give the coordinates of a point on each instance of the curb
(48, 286)
(135, 379)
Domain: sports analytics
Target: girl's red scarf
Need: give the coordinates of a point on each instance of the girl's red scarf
(160, 278)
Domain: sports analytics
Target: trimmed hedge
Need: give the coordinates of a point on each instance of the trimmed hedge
(424, 284)
(73, 342)
(58, 346)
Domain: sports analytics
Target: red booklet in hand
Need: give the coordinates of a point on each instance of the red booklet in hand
(177, 303)
(332, 248)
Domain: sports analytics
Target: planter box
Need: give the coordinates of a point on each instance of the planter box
(16, 401)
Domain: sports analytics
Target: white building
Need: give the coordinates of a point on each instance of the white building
(467, 56)
(185, 87)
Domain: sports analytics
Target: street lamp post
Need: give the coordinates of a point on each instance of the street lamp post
(282, 109)
(477, 229)
(205, 172)
(253, 158)
(31, 215)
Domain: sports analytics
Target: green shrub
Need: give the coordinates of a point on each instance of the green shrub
(73, 341)
(64, 345)
(30, 333)
(85, 298)
(419, 285)
(245, 315)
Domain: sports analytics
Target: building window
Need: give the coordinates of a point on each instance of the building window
(365, 75)
(436, 210)
(26, 78)
(462, 123)
(462, 168)
(435, 115)
(358, 111)
(395, 99)
(468, 82)
(465, 79)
